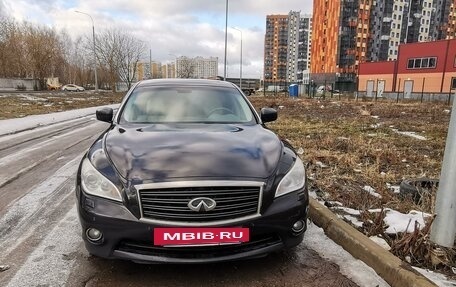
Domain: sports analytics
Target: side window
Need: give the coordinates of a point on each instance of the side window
(422, 63)
(410, 64)
(432, 62)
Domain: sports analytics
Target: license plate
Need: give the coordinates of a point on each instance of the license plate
(200, 236)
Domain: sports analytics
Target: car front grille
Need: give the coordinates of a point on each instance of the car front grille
(170, 204)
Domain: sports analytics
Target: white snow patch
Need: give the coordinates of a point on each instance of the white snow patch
(14, 125)
(393, 188)
(376, 126)
(355, 221)
(371, 191)
(342, 138)
(32, 98)
(22, 210)
(410, 134)
(354, 269)
(380, 241)
(320, 164)
(338, 203)
(400, 222)
(347, 210)
(52, 261)
(375, 117)
(439, 279)
(24, 153)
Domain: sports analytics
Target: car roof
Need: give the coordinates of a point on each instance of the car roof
(185, 82)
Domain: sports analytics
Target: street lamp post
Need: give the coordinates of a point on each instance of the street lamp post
(240, 66)
(94, 50)
(226, 37)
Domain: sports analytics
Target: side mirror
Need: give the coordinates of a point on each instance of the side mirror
(268, 115)
(105, 115)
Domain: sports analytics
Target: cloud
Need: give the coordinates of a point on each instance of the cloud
(3, 11)
(190, 28)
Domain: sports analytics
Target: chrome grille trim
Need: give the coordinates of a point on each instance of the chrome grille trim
(255, 209)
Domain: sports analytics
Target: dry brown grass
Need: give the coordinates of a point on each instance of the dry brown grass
(359, 149)
(24, 104)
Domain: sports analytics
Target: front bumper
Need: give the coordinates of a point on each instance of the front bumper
(125, 237)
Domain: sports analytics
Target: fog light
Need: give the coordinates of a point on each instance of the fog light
(298, 226)
(94, 235)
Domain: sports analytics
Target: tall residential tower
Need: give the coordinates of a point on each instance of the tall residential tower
(287, 48)
(299, 43)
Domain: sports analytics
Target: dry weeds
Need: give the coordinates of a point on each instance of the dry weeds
(357, 144)
(24, 104)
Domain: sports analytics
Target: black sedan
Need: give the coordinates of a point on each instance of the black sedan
(187, 172)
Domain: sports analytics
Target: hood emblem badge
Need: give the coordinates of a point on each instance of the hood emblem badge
(201, 204)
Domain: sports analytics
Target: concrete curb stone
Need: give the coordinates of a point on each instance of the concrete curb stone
(392, 269)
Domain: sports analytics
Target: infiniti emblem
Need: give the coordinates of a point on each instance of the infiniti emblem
(202, 204)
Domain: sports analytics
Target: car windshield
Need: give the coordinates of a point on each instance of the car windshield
(194, 104)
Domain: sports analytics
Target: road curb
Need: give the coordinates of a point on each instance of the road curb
(392, 269)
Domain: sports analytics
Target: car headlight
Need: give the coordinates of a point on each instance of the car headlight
(295, 179)
(94, 183)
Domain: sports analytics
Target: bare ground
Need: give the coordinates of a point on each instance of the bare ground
(16, 105)
(347, 145)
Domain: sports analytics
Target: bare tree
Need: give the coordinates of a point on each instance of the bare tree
(28, 50)
(12, 49)
(119, 54)
(185, 68)
(131, 51)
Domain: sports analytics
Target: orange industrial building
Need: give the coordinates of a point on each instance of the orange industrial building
(426, 67)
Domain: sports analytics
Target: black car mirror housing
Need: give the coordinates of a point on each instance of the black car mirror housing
(268, 115)
(105, 115)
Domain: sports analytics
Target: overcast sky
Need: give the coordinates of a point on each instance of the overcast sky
(178, 27)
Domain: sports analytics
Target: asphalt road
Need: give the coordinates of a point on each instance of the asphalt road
(40, 233)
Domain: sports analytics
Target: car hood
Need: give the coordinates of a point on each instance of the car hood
(160, 152)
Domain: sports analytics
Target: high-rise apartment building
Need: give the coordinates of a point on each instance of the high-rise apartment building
(139, 75)
(169, 70)
(156, 70)
(205, 68)
(275, 48)
(196, 68)
(287, 47)
(451, 24)
(356, 31)
(299, 43)
(439, 18)
(395, 22)
(325, 37)
(148, 70)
